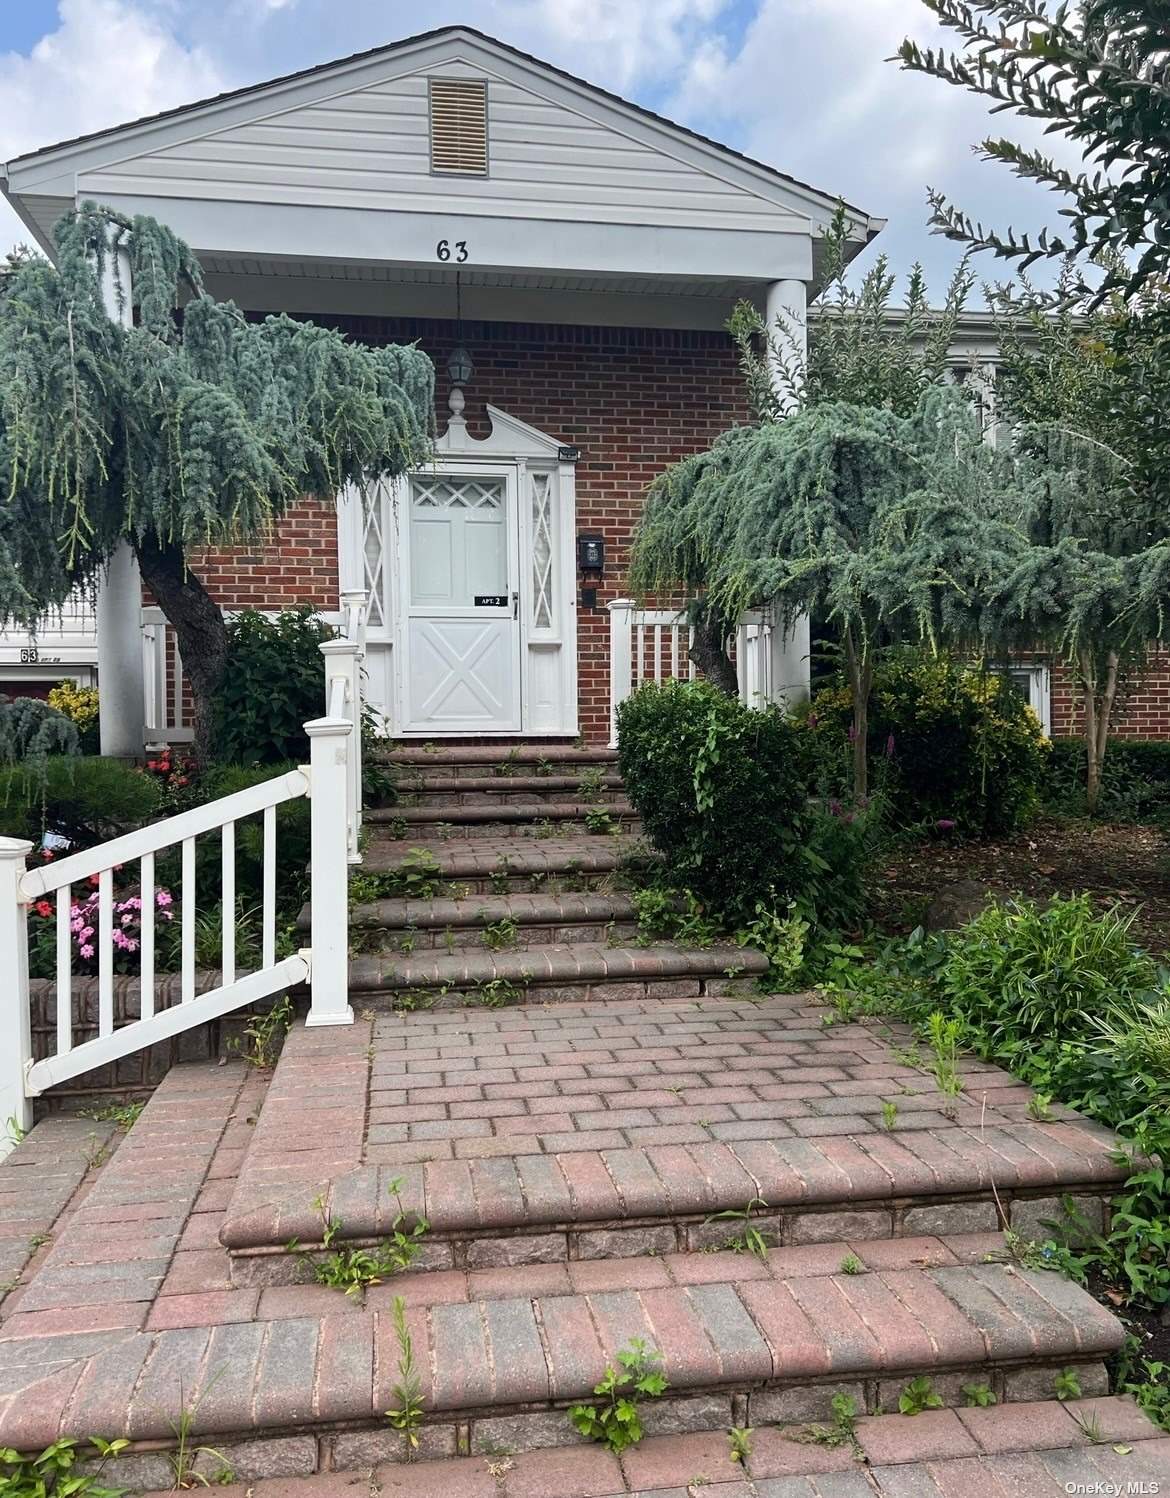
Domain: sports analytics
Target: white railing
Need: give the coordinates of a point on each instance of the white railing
(654, 645)
(125, 919)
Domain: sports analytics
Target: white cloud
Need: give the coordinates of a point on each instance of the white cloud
(107, 61)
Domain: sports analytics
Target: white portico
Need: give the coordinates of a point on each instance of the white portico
(362, 189)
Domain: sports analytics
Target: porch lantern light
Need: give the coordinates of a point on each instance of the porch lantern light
(459, 365)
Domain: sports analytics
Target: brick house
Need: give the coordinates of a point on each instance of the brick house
(568, 260)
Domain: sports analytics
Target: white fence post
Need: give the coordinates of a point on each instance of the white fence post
(341, 664)
(15, 1025)
(329, 870)
(353, 611)
(621, 659)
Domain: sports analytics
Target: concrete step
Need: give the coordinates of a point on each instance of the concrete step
(441, 820)
(528, 1135)
(1038, 1449)
(457, 762)
(500, 789)
(561, 973)
(496, 921)
(465, 867)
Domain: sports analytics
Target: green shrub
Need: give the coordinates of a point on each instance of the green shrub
(1030, 972)
(293, 844)
(31, 730)
(951, 745)
(274, 683)
(721, 790)
(85, 800)
(1135, 781)
(80, 705)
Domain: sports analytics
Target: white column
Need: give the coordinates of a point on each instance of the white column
(121, 680)
(329, 871)
(121, 684)
(789, 667)
(621, 659)
(343, 660)
(15, 1027)
(786, 314)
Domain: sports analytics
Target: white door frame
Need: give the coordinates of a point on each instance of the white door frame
(546, 502)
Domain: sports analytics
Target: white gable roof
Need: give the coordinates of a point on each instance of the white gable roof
(354, 135)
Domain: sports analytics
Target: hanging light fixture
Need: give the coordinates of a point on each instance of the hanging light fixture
(459, 365)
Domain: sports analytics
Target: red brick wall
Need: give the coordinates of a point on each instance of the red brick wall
(1142, 710)
(632, 400)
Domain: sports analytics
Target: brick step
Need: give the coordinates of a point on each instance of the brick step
(539, 819)
(1036, 1449)
(438, 925)
(500, 865)
(303, 1383)
(532, 1134)
(551, 973)
(457, 761)
(478, 790)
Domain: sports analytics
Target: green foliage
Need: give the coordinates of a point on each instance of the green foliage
(31, 731)
(86, 800)
(500, 934)
(1094, 73)
(842, 1429)
(293, 843)
(1148, 1382)
(196, 431)
(50, 1474)
(265, 1033)
(720, 792)
(978, 1396)
(1066, 1385)
(615, 1421)
(1135, 782)
(748, 1239)
(352, 1267)
(851, 1264)
(956, 745)
(739, 1441)
(273, 684)
(917, 1396)
(418, 877)
(406, 1415)
(125, 1115)
(80, 706)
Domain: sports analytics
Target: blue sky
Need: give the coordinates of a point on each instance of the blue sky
(801, 84)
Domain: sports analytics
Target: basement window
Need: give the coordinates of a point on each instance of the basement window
(458, 108)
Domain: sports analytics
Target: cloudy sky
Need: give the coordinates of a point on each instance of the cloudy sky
(801, 84)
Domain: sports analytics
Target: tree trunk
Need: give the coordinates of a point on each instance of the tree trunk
(859, 671)
(200, 631)
(1098, 698)
(710, 655)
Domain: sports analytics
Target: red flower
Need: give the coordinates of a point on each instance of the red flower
(48, 855)
(95, 880)
(43, 907)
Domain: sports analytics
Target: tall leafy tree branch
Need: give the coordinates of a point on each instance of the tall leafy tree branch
(1096, 73)
(195, 427)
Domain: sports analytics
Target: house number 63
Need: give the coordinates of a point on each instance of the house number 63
(445, 250)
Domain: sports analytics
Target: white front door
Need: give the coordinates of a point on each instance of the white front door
(461, 609)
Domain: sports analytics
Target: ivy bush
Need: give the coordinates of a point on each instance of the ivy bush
(954, 746)
(274, 683)
(1135, 780)
(722, 791)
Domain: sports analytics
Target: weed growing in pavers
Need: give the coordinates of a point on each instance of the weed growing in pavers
(13, 1131)
(96, 1153)
(498, 878)
(38, 1240)
(591, 783)
(944, 1034)
(501, 933)
(265, 1034)
(615, 1421)
(781, 938)
(125, 1115)
(494, 993)
(351, 1268)
(889, 1114)
(600, 823)
(544, 767)
(1067, 1385)
(544, 828)
(418, 877)
(842, 1427)
(185, 1457)
(51, 1473)
(739, 1439)
(1090, 1427)
(396, 828)
(851, 1264)
(749, 1239)
(917, 1396)
(405, 1415)
(1151, 1385)
(1040, 1107)
(978, 1396)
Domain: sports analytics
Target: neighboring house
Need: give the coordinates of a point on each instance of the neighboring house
(568, 260)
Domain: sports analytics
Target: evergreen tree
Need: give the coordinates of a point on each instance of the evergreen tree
(1094, 72)
(195, 427)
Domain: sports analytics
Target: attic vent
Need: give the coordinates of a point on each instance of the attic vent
(459, 126)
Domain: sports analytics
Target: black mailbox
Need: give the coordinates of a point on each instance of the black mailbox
(591, 554)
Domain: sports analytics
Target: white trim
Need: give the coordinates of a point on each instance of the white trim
(1037, 689)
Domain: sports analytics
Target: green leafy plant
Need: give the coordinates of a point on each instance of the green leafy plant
(50, 1474)
(256, 724)
(1067, 1385)
(501, 934)
(419, 876)
(749, 1239)
(781, 938)
(406, 1414)
(978, 1396)
(185, 1458)
(943, 1034)
(125, 1115)
(1040, 1107)
(851, 1264)
(842, 1427)
(917, 1396)
(353, 1267)
(739, 1440)
(591, 782)
(495, 993)
(264, 1034)
(889, 1113)
(600, 822)
(615, 1421)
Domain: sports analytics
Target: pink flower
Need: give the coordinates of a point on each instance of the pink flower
(43, 907)
(87, 951)
(812, 720)
(131, 946)
(890, 747)
(86, 932)
(944, 824)
(120, 939)
(163, 898)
